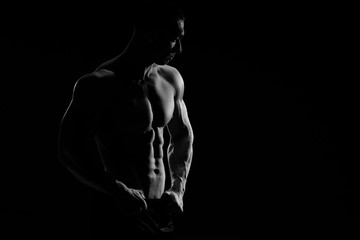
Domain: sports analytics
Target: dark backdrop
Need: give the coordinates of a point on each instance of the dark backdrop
(268, 94)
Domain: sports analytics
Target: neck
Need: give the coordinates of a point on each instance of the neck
(137, 58)
(134, 58)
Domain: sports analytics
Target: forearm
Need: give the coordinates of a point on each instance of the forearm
(95, 178)
(180, 162)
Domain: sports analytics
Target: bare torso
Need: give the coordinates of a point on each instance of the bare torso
(130, 138)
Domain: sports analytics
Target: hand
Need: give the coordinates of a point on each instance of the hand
(174, 202)
(132, 201)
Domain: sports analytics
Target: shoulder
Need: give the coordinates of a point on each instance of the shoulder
(95, 79)
(93, 84)
(172, 76)
(170, 73)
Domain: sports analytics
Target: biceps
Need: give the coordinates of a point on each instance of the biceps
(180, 126)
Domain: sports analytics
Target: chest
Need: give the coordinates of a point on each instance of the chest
(143, 107)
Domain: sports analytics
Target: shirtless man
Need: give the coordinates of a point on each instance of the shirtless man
(112, 136)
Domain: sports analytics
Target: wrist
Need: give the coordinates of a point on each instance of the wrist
(176, 197)
(172, 191)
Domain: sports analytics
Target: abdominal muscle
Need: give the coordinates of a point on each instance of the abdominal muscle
(153, 177)
(137, 161)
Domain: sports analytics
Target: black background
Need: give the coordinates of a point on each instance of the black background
(269, 96)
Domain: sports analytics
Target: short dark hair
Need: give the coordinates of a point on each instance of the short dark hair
(159, 14)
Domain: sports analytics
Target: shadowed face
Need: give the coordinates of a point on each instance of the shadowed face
(168, 43)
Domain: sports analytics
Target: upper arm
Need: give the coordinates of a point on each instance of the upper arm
(73, 130)
(89, 100)
(180, 126)
(76, 143)
(84, 98)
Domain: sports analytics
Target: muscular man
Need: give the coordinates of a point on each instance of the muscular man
(113, 133)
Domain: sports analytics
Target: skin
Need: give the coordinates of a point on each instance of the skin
(112, 134)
